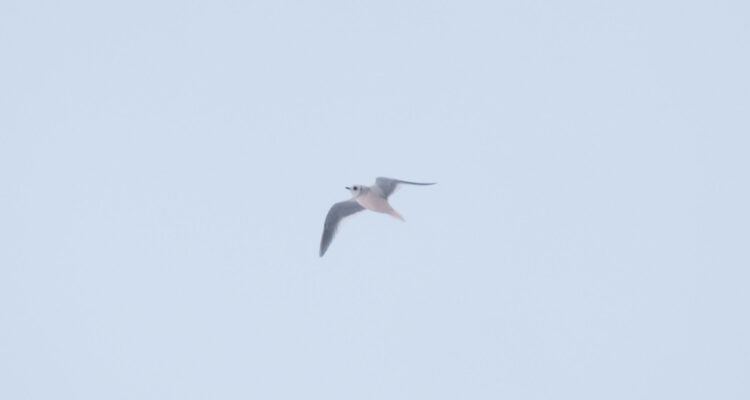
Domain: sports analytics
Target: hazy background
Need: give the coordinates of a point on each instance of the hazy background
(166, 167)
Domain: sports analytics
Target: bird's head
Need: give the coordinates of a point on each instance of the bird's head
(356, 190)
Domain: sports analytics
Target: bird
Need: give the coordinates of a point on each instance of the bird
(373, 198)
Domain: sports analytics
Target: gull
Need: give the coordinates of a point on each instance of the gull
(373, 198)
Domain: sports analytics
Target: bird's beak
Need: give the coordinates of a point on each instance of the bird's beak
(347, 188)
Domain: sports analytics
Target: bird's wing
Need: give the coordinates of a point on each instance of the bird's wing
(337, 212)
(388, 185)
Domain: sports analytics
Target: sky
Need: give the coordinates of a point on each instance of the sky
(166, 168)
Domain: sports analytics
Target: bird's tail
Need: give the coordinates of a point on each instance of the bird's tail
(395, 214)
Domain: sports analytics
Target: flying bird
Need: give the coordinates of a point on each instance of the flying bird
(374, 198)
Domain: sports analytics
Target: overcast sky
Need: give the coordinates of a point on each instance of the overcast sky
(166, 167)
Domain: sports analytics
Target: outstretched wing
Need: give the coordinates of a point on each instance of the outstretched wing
(337, 212)
(388, 185)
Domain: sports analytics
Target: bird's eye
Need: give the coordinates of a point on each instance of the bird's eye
(355, 188)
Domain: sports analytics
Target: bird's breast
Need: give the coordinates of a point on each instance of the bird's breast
(374, 203)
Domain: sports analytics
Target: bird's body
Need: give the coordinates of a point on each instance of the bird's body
(373, 198)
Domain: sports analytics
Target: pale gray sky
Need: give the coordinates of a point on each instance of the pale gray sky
(166, 168)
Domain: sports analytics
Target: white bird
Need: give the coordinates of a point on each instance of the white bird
(374, 198)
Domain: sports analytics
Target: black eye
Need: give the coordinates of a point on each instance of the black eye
(355, 188)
